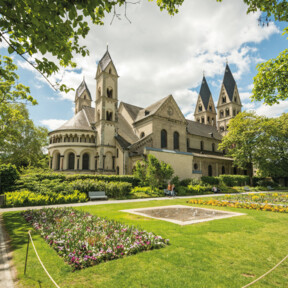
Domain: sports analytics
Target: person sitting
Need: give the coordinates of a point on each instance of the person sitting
(173, 192)
(168, 191)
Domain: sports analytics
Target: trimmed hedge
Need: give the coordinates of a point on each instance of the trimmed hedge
(8, 177)
(229, 180)
(210, 180)
(62, 177)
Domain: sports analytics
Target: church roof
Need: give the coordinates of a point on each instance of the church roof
(82, 87)
(132, 110)
(150, 110)
(203, 130)
(122, 142)
(229, 82)
(125, 130)
(205, 93)
(104, 62)
(80, 121)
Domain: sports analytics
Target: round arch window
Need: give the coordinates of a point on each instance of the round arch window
(195, 166)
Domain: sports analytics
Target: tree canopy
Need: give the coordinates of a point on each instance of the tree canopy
(259, 141)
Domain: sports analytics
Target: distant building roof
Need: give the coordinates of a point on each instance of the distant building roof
(104, 62)
(205, 93)
(229, 82)
(204, 130)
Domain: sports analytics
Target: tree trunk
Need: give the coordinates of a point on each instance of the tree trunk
(250, 173)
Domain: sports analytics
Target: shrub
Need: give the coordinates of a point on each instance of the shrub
(146, 192)
(210, 180)
(118, 189)
(198, 189)
(234, 180)
(185, 182)
(28, 198)
(8, 177)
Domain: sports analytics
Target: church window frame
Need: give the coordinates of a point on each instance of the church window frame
(109, 115)
(109, 92)
(213, 147)
(210, 108)
(223, 170)
(71, 161)
(176, 138)
(163, 138)
(221, 113)
(142, 135)
(201, 145)
(200, 108)
(195, 166)
(210, 170)
(202, 120)
(224, 99)
(227, 112)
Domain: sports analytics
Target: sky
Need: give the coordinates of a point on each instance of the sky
(157, 55)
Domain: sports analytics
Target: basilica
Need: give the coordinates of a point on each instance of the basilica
(110, 138)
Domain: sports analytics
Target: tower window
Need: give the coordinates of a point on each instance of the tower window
(200, 108)
(222, 128)
(202, 120)
(110, 70)
(109, 93)
(109, 116)
(227, 112)
(235, 99)
(198, 120)
(234, 112)
(210, 108)
(223, 170)
(195, 166)
(163, 138)
(84, 97)
(201, 145)
(224, 99)
(221, 114)
(142, 135)
(208, 119)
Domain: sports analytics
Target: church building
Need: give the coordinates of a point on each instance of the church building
(111, 138)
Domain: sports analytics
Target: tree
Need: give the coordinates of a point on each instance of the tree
(257, 140)
(55, 28)
(153, 172)
(271, 81)
(21, 143)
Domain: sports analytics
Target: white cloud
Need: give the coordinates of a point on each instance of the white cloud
(52, 124)
(158, 55)
(244, 95)
(274, 110)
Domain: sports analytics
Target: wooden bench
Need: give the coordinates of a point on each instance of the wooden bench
(95, 195)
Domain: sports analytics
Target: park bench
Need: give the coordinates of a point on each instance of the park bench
(95, 195)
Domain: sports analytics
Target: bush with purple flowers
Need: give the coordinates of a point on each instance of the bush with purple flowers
(84, 240)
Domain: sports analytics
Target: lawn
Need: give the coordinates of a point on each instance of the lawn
(221, 253)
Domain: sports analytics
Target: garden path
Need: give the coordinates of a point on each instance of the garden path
(5, 268)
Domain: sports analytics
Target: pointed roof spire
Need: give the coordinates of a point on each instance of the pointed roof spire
(205, 92)
(82, 87)
(229, 82)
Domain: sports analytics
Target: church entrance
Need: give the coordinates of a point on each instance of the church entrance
(71, 161)
(210, 170)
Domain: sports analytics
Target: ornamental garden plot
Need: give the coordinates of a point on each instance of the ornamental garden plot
(275, 202)
(85, 240)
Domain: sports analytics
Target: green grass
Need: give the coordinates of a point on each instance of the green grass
(220, 253)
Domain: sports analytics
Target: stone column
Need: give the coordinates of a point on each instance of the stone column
(78, 161)
(50, 162)
(113, 162)
(217, 170)
(61, 162)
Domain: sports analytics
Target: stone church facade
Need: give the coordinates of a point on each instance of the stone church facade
(111, 138)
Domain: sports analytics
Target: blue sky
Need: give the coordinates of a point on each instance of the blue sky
(158, 55)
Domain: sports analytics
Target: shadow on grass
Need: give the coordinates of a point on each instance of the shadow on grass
(17, 228)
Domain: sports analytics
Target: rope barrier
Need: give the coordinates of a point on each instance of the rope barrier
(41, 261)
(266, 273)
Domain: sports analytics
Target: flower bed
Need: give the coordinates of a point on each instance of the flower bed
(237, 204)
(84, 240)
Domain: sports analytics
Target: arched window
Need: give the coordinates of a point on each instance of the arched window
(224, 99)
(200, 108)
(117, 170)
(71, 161)
(234, 112)
(195, 166)
(221, 114)
(210, 172)
(84, 97)
(109, 92)
(201, 145)
(110, 70)
(213, 147)
(227, 112)
(163, 138)
(202, 120)
(223, 170)
(210, 108)
(208, 119)
(235, 170)
(85, 161)
(176, 140)
(142, 135)
(198, 120)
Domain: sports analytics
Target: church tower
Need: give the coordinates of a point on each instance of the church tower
(106, 113)
(205, 111)
(229, 103)
(82, 97)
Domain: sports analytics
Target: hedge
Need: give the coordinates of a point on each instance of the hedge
(210, 180)
(62, 177)
(229, 180)
(28, 198)
(8, 177)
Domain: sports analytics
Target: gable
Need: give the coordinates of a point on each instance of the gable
(223, 96)
(170, 109)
